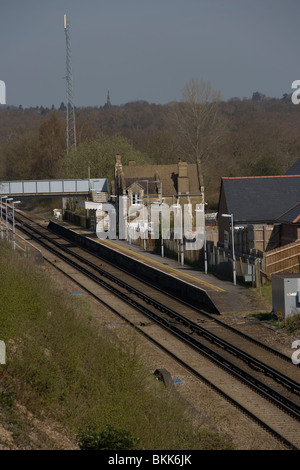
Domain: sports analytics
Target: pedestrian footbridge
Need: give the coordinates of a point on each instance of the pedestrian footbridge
(53, 188)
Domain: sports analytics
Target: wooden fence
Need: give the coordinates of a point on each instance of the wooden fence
(258, 238)
(282, 260)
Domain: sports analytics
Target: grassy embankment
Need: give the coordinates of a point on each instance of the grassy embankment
(60, 368)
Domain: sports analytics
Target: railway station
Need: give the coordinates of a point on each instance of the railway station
(198, 308)
(221, 295)
(224, 295)
(144, 275)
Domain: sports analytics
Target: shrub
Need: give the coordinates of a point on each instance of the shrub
(7, 398)
(292, 323)
(110, 438)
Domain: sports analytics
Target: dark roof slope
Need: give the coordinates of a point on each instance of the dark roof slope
(295, 169)
(292, 216)
(167, 174)
(260, 199)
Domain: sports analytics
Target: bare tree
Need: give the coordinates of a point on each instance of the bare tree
(198, 124)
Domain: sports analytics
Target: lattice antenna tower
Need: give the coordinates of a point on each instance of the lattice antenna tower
(71, 123)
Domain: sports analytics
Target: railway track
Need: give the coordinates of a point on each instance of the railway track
(266, 374)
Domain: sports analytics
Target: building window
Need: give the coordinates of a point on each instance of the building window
(136, 198)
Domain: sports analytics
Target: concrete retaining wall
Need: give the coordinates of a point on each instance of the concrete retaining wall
(176, 287)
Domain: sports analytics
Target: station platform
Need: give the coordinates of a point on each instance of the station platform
(227, 297)
(23, 246)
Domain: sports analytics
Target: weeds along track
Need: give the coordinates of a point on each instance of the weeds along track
(260, 381)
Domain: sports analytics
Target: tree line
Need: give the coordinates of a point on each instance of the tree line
(238, 137)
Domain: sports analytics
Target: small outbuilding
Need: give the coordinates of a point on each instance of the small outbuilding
(286, 294)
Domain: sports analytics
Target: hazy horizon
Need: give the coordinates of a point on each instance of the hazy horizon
(147, 51)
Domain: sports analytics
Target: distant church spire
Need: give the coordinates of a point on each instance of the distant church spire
(108, 102)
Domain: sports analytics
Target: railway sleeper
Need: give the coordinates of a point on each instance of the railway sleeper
(189, 339)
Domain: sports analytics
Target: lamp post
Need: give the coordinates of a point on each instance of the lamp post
(129, 226)
(123, 227)
(178, 206)
(146, 181)
(6, 221)
(233, 254)
(2, 197)
(161, 219)
(144, 238)
(14, 232)
(89, 176)
(117, 212)
(204, 241)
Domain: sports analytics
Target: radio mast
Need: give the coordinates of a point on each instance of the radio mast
(71, 125)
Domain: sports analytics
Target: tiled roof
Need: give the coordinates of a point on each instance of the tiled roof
(260, 199)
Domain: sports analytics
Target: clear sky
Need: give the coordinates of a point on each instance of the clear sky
(147, 50)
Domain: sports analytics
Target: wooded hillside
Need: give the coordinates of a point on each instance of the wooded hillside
(261, 137)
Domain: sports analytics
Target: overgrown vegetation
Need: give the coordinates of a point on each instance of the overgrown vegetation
(265, 291)
(292, 324)
(60, 368)
(109, 438)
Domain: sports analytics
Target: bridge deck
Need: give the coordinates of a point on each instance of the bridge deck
(63, 187)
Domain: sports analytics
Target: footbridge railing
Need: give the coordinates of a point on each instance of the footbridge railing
(63, 187)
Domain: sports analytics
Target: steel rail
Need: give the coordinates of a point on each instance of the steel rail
(196, 373)
(252, 362)
(194, 307)
(289, 406)
(204, 313)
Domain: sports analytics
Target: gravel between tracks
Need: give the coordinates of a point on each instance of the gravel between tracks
(209, 408)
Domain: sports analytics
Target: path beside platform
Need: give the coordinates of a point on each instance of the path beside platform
(227, 297)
